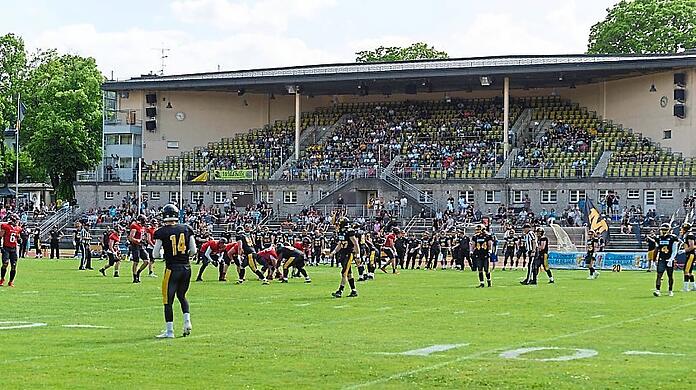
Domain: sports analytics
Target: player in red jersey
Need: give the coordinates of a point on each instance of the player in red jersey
(149, 245)
(390, 251)
(136, 238)
(10, 234)
(269, 261)
(230, 255)
(209, 253)
(112, 252)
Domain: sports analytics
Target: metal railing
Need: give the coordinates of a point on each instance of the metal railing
(404, 186)
(330, 174)
(561, 172)
(439, 173)
(58, 220)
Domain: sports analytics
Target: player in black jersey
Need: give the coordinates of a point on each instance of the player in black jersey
(248, 258)
(481, 255)
(651, 240)
(541, 258)
(509, 244)
(291, 257)
(414, 247)
(318, 244)
(178, 244)
(424, 250)
(591, 245)
(434, 251)
(689, 245)
(346, 252)
(667, 246)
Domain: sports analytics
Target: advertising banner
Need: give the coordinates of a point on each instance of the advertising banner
(605, 260)
(233, 174)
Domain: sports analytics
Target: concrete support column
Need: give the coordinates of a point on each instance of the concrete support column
(506, 116)
(297, 123)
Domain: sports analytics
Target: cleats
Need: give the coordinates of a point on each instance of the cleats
(308, 280)
(116, 275)
(656, 293)
(101, 271)
(671, 293)
(199, 280)
(551, 281)
(265, 281)
(165, 335)
(2, 282)
(11, 284)
(152, 275)
(524, 282)
(337, 294)
(383, 269)
(353, 293)
(481, 285)
(283, 280)
(187, 330)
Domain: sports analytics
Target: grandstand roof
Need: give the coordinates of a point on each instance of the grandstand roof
(539, 71)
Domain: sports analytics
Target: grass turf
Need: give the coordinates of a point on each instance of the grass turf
(296, 335)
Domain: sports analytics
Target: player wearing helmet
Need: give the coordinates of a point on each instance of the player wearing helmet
(651, 240)
(481, 242)
(178, 243)
(541, 258)
(136, 238)
(667, 245)
(347, 251)
(209, 253)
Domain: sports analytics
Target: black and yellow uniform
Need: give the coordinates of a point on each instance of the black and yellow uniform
(689, 241)
(651, 240)
(292, 257)
(414, 247)
(541, 260)
(248, 258)
(345, 251)
(666, 251)
(509, 243)
(481, 255)
(591, 245)
(433, 252)
(318, 242)
(176, 243)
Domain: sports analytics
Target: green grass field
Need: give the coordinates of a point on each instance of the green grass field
(296, 336)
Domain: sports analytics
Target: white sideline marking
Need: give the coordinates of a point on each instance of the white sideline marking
(689, 319)
(549, 315)
(30, 292)
(477, 354)
(460, 312)
(598, 316)
(86, 326)
(265, 302)
(652, 353)
(124, 296)
(6, 325)
(425, 351)
(303, 304)
(504, 314)
(579, 354)
(90, 295)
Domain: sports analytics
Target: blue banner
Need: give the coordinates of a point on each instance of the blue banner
(605, 260)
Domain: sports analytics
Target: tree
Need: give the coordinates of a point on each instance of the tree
(645, 26)
(417, 51)
(13, 65)
(62, 129)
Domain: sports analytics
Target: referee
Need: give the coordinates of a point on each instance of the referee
(178, 243)
(529, 241)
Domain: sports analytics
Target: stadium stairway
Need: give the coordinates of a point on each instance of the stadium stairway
(600, 169)
(504, 171)
(519, 128)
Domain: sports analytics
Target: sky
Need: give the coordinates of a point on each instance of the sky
(126, 36)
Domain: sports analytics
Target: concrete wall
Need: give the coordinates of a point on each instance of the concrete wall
(90, 195)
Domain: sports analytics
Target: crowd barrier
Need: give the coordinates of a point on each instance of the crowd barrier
(629, 261)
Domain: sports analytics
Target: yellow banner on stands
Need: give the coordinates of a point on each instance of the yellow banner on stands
(233, 174)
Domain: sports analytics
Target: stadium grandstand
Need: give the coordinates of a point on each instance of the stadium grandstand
(533, 132)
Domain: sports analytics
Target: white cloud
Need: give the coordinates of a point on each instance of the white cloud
(274, 15)
(135, 51)
(386, 40)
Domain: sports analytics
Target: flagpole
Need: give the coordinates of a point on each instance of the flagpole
(140, 185)
(19, 121)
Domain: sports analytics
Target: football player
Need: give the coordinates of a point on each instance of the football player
(346, 252)
(667, 246)
(136, 248)
(481, 255)
(292, 257)
(178, 244)
(10, 234)
(651, 240)
(113, 253)
(510, 244)
(689, 245)
(209, 254)
(541, 258)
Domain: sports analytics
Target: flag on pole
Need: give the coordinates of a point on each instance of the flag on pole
(594, 219)
(22, 111)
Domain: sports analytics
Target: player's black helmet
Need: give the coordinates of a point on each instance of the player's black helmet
(141, 218)
(686, 227)
(527, 226)
(222, 241)
(540, 230)
(396, 230)
(170, 213)
(343, 223)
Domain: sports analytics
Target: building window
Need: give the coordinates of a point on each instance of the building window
(518, 196)
(667, 134)
(576, 196)
(603, 194)
(289, 197)
(196, 196)
(633, 194)
(468, 196)
(108, 195)
(666, 194)
(172, 144)
(125, 162)
(220, 196)
(426, 196)
(155, 195)
(549, 196)
(492, 196)
(266, 196)
(174, 197)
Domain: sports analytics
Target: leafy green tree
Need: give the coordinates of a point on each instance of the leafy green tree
(28, 171)
(645, 26)
(13, 65)
(417, 51)
(62, 129)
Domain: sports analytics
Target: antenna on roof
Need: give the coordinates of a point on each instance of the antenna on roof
(163, 56)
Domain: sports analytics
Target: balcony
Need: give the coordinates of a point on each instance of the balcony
(123, 122)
